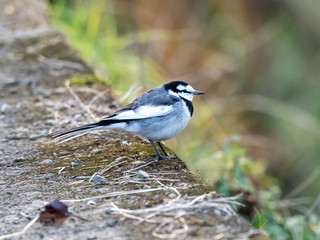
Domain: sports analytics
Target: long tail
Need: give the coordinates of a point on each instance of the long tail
(66, 135)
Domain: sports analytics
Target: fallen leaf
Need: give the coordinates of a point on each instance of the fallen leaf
(55, 212)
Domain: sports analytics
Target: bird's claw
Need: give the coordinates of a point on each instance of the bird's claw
(173, 156)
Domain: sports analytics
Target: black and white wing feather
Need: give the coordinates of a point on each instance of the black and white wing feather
(154, 103)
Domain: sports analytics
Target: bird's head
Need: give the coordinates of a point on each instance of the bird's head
(181, 89)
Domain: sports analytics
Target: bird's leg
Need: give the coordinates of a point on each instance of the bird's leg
(162, 148)
(167, 155)
(155, 148)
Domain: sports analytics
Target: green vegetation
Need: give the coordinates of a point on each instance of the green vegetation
(107, 41)
(85, 80)
(92, 30)
(265, 207)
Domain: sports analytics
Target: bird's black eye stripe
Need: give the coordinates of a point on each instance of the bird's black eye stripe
(185, 91)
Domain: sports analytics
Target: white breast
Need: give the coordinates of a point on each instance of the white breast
(165, 127)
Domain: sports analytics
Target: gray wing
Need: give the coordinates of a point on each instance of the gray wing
(156, 102)
(154, 97)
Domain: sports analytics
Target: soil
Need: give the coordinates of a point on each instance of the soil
(110, 179)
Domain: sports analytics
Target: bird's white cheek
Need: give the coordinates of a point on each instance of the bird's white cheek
(187, 96)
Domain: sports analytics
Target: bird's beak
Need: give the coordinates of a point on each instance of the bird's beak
(198, 93)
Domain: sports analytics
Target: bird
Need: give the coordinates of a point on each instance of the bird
(157, 115)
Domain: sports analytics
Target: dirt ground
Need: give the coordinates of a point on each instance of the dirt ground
(110, 179)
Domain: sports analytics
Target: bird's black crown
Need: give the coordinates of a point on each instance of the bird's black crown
(173, 85)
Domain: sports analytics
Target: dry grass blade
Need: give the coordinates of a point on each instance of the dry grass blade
(97, 96)
(115, 194)
(173, 189)
(140, 219)
(174, 234)
(93, 176)
(142, 166)
(82, 105)
(170, 217)
(202, 201)
(111, 166)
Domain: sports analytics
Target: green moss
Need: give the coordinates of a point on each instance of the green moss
(78, 80)
(137, 154)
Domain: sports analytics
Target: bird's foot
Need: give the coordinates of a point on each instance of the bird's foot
(161, 157)
(174, 156)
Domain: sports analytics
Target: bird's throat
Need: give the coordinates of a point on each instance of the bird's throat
(189, 105)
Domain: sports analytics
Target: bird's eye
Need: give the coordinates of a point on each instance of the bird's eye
(184, 91)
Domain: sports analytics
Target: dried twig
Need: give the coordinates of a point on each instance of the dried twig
(82, 105)
(114, 194)
(93, 176)
(132, 216)
(169, 216)
(201, 201)
(62, 168)
(142, 166)
(97, 96)
(173, 189)
(173, 233)
(111, 166)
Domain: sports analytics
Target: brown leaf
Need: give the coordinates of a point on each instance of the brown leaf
(55, 212)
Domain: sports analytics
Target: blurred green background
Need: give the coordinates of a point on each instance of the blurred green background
(257, 129)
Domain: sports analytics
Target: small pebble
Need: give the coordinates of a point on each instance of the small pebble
(77, 161)
(15, 221)
(5, 108)
(35, 152)
(143, 175)
(91, 236)
(12, 212)
(172, 195)
(46, 161)
(13, 120)
(33, 136)
(146, 187)
(42, 133)
(91, 202)
(118, 159)
(38, 91)
(102, 190)
(49, 176)
(99, 179)
(63, 153)
(11, 135)
(111, 223)
(11, 82)
(41, 235)
(96, 151)
(125, 143)
(50, 122)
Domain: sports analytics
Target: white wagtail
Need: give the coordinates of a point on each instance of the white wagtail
(157, 115)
